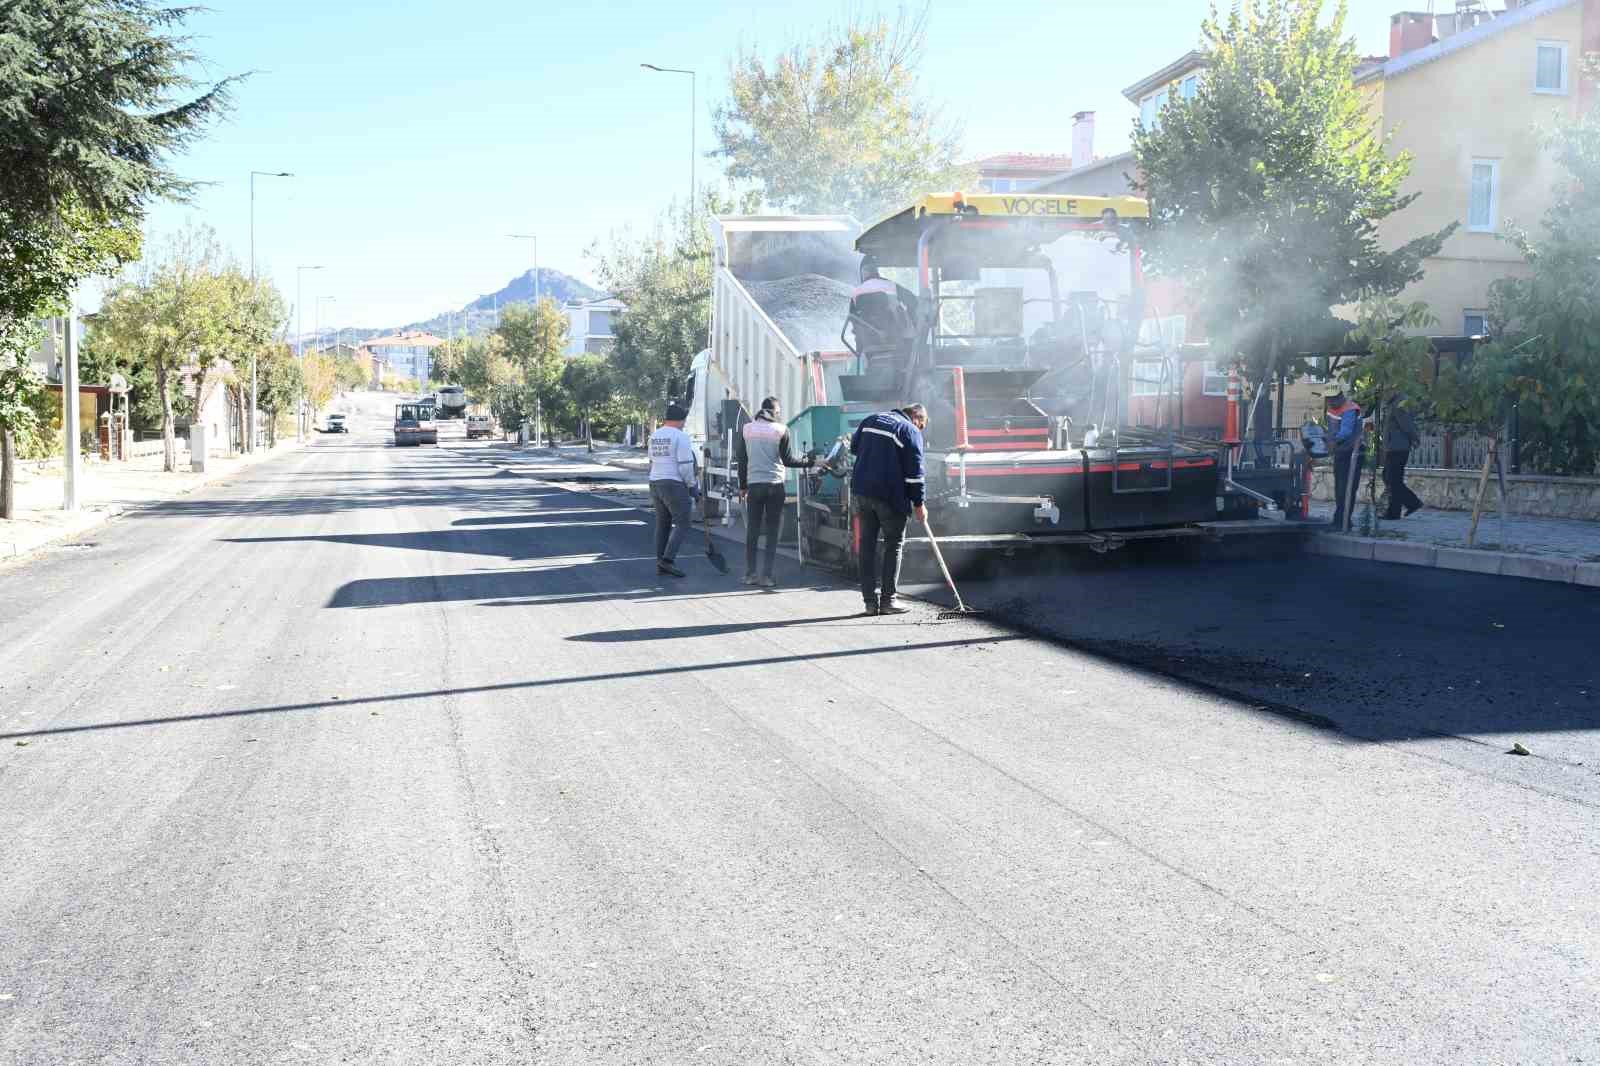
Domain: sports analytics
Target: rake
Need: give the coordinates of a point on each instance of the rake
(961, 608)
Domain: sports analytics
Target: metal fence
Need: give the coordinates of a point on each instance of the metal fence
(1451, 448)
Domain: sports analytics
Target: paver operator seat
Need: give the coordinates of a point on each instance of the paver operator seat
(881, 318)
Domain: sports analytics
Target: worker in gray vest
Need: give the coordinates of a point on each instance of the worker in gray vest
(763, 453)
(673, 485)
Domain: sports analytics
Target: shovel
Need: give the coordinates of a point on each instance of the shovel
(961, 610)
(712, 553)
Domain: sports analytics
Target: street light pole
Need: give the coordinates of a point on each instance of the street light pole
(538, 400)
(250, 432)
(538, 291)
(694, 107)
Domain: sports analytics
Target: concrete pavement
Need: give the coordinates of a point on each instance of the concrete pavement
(377, 755)
(105, 491)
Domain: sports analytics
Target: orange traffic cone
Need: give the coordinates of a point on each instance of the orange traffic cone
(1230, 430)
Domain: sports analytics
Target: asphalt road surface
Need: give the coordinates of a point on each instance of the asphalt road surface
(378, 755)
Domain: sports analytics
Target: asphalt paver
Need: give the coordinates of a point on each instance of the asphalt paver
(398, 755)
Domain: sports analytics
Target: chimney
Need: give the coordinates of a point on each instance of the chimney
(1408, 31)
(1082, 139)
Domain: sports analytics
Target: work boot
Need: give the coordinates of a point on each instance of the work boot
(667, 566)
(892, 607)
(751, 579)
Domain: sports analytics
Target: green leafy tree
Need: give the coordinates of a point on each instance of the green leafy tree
(445, 361)
(1267, 188)
(839, 124)
(534, 339)
(173, 317)
(21, 389)
(279, 384)
(320, 374)
(43, 257)
(1398, 368)
(665, 281)
(350, 375)
(252, 314)
(590, 384)
(89, 115)
(95, 98)
(1545, 359)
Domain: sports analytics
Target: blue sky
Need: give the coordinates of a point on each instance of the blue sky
(421, 132)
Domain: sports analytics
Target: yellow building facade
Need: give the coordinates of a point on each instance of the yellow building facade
(1475, 106)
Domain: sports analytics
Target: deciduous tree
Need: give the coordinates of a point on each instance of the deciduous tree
(95, 96)
(1545, 358)
(534, 339)
(173, 316)
(1268, 186)
(839, 124)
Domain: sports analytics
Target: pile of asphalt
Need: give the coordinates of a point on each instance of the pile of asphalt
(774, 256)
(810, 309)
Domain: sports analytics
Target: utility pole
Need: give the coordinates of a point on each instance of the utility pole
(693, 117)
(69, 411)
(250, 432)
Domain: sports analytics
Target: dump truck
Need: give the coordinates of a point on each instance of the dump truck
(780, 295)
(452, 402)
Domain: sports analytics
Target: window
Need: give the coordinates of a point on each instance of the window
(1215, 382)
(1483, 197)
(1191, 86)
(1550, 68)
(599, 323)
(1150, 109)
(1473, 323)
(1147, 377)
(999, 184)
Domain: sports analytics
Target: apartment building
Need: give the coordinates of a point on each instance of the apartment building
(1473, 95)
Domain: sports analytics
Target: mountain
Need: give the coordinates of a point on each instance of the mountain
(478, 316)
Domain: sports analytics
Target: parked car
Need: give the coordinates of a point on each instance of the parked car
(336, 424)
(479, 426)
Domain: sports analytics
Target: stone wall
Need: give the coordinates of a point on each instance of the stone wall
(1454, 490)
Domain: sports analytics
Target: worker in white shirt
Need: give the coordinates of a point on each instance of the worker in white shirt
(674, 483)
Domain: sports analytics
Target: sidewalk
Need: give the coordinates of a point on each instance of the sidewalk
(105, 490)
(1544, 549)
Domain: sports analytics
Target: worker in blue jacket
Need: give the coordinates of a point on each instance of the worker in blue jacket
(1344, 438)
(887, 486)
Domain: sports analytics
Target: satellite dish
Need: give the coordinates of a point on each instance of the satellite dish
(119, 384)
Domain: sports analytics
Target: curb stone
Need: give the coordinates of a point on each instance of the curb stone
(1469, 560)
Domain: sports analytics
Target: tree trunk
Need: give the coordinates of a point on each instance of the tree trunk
(169, 440)
(8, 484)
(1483, 486)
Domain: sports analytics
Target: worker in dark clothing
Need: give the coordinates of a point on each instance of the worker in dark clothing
(1399, 437)
(763, 452)
(1344, 438)
(880, 321)
(887, 486)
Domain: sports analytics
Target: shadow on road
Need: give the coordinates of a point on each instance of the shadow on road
(625, 636)
(508, 686)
